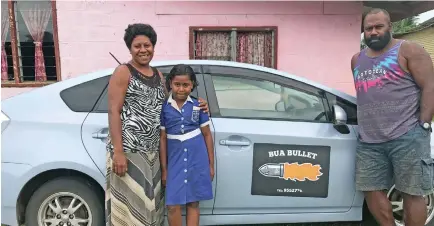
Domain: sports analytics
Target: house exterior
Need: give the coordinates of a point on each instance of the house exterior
(423, 34)
(310, 39)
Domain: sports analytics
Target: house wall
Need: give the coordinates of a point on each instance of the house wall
(315, 39)
(425, 38)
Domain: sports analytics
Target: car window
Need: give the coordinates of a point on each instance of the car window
(103, 103)
(350, 108)
(82, 97)
(261, 99)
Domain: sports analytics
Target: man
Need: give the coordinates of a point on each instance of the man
(394, 80)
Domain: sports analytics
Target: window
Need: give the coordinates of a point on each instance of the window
(29, 41)
(349, 108)
(83, 97)
(261, 99)
(246, 45)
(102, 106)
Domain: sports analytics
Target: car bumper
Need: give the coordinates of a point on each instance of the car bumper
(12, 182)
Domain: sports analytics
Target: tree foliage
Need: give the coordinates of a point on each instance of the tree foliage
(404, 25)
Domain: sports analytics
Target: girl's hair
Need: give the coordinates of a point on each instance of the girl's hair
(181, 69)
(134, 30)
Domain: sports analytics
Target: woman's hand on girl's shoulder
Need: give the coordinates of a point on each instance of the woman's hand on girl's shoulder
(203, 105)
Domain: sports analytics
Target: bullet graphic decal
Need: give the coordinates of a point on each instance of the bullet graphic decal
(292, 171)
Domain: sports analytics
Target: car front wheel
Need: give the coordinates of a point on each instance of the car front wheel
(395, 197)
(65, 202)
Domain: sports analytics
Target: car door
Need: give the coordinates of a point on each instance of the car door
(276, 148)
(95, 130)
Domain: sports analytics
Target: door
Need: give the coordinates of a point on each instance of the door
(276, 148)
(95, 130)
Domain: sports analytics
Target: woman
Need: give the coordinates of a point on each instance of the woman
(136, 92)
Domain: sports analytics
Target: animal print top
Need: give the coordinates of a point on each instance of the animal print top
(140, 114)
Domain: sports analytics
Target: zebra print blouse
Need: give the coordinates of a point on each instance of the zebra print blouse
(140, 114)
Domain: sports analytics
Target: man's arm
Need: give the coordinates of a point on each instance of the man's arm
(420, 65)
(353, 61)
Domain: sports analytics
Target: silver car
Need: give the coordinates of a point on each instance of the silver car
(284, 150)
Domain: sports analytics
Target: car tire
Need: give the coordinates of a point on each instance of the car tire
(65, 189)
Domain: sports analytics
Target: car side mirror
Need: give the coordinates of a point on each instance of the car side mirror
(340, 116)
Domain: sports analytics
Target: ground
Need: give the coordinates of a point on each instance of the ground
(315, 224)
(318, 224)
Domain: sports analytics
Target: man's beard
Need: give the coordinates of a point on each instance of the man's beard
(378, 43)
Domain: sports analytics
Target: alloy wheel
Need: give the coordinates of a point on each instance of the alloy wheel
(64, 209)
(396, 199)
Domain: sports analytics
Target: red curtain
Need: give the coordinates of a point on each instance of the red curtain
(213, 46)
(36, 20)
(255, 48)
(5, 29)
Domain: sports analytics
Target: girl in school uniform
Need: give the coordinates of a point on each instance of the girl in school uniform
(186, 148)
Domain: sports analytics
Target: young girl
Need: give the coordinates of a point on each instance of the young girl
(186, 148)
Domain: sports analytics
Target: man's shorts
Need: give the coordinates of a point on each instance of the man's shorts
(405, 162)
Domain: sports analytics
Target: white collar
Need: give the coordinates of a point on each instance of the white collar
(172, 102)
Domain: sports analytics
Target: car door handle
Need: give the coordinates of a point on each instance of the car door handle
(101, 134)
(234, 143)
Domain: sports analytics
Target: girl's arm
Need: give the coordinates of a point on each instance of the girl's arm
(163, 150)
(206, 131)
(204, 122)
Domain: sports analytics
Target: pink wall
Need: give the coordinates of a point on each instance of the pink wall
(315, 39)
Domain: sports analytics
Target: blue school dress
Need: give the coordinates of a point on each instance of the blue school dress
(188, 172)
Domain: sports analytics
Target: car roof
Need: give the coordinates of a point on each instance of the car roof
(258, 68)
(157, 63)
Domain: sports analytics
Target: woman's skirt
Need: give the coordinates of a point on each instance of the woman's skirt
(137, 198)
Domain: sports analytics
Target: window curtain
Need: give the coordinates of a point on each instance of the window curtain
(5, 30)
(255, 48)
(36, 20)
(213, 46)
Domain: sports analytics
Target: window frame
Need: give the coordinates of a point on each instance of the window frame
(245, 73)
(199, 91)
(14, 47)
(233, 30)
